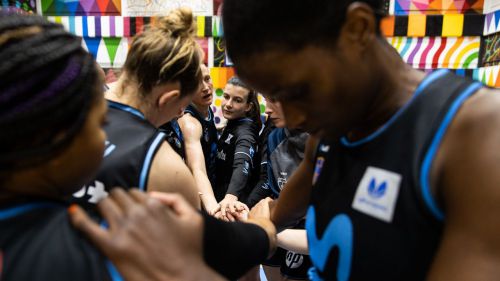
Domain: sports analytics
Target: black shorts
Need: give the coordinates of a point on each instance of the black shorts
(292, 265)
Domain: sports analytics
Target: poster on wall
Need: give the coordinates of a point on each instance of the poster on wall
(218, 7)
(143, 8)
(81, 7)
(491, 6)
(491, 50)
(28, 6)
(405, 7)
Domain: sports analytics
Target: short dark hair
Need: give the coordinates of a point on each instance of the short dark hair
(254, 25)
(48, 85)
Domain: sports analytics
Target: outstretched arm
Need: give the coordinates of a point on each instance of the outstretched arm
(158, 237)
(294, 240)
(242, 169)
(146, 240)
(195, 160)
(170, 174)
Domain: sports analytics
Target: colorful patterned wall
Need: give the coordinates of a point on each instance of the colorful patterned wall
(107, 27)
(461, 35)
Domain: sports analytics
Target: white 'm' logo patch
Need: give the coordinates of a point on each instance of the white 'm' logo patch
(377, 193)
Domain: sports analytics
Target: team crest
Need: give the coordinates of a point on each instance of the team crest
(317, 169)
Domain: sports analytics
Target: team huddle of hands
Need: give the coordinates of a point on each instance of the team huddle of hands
(138, 221)
(230, 209)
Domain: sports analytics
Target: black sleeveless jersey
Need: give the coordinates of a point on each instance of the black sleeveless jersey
(372, 215)
(173, 136)
(208, 139)
(235, 158)
(37, 242)
(130, 148)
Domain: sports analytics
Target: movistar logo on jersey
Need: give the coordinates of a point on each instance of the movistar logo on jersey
(377, 190)
(377, 193)
(228, 140)
(339, 235)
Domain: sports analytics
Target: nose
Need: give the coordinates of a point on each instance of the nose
(268, 111)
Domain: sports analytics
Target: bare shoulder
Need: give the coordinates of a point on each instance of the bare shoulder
(190, 126)
(466, 174)
(169, 173)
(470, 150)
(482, 106)
(476, 126)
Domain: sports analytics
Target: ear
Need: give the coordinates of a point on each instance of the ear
(249, 107)
(167, 97)
(360, 26)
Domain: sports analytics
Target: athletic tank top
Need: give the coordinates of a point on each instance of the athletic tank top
(173, 136)
(208, 139)
(372, 215)
(131, 145)
(38, 242)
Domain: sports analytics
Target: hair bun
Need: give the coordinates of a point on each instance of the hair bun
(179, 22)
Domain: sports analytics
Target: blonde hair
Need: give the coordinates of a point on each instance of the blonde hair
(166, 52)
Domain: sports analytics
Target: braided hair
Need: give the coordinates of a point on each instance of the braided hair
(48, 84)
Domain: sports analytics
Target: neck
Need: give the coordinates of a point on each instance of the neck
(395, 87)
(24, 188)
(203, 110)
(128, 93)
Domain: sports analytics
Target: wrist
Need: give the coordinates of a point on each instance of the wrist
(270, 230)
(231, 196)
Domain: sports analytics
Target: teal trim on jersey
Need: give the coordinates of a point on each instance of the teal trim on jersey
(126, 108)
(113, 272)
(436, 142)
(9, 213)
(149, 159)
(427, 80)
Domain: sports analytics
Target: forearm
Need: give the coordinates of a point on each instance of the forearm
(294, 240)
(205, 188)
(225, 242)
(261, 191)
(239, 177)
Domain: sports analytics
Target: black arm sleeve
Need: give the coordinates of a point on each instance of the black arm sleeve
(262, 188)
(232, 249)
(242, 166)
